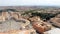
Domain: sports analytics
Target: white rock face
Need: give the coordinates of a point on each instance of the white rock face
(53, 31)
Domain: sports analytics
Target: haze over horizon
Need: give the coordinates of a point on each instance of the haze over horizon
(29, 2)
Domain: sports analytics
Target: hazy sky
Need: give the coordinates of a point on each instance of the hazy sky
(29, 2)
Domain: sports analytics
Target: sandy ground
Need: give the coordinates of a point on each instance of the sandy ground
(9, 25)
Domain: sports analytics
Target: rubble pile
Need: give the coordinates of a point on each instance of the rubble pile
(13, 22)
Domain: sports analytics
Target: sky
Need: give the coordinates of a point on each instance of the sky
(29, 2)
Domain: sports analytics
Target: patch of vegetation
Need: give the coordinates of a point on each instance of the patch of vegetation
(46, 16)
(27, 12)
(14, 10)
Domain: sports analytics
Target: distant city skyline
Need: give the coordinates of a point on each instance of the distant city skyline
(29, 2)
